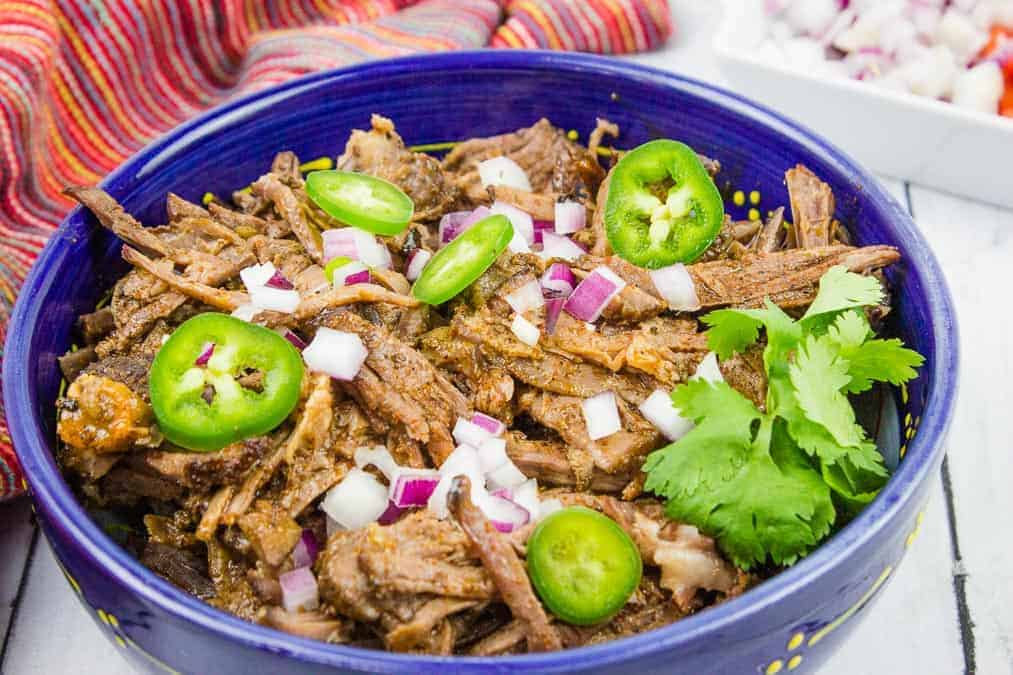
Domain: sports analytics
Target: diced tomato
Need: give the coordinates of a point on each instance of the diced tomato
(1006, 102)
(1000, 42)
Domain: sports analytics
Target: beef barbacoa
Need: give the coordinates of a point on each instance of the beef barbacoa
(225, 525)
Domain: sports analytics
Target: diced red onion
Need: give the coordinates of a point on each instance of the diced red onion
(503, 171)
(506, 475)
(676, 287)
(416, 262)
(255, 276)
(659, 411)
(205, 355)
(540, 227)
(503, 493)
(306, 549)
(559, 246)
(453, 224)
(299, 590)
(466, 432)
(522, 222)
(526, 298)
(593, 294)
(570, 217)
(350, 273)
(553, 306)
(559, 279)
(414, 487)
(351, 242)
(379, 457)
(358, 500)
(274, 299)
(601, 415)
(492, 454)
(490, 424)
(359, 277)
(279, 281)
(708, 369)
(504, 514)
(390, 516)
(336, 353)
(293, 338)
(525, 331)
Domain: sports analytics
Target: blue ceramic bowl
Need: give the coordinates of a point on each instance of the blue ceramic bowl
(794, 621)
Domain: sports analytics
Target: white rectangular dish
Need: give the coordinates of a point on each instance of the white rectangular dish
(906, 136)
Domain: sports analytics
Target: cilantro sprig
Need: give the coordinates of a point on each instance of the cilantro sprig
(764, 482)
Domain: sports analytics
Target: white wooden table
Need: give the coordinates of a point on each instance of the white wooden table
(948, 610)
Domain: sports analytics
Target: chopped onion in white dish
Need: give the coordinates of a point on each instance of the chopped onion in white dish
(708, 369)
(659, 411)
(601, 415)
(979, 88)
(676, 287)
(525, 331)
(358, 500)
(274, 299)
(526, 298)
(336, 353)
(503, 171)
(299, 591)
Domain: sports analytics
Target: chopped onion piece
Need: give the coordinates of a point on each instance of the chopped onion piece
(570, 217)
(490, 424)
(526, 494)
(279, 281)
(553, 306)
(523, 224)
(379, 457)
(358, 500)
(526, 298)
(469, 433)
(558, 246)
(593, 294)
(676, 287)
(492, 454)
(559, 279)
(306, 549)
(414, 487)
(416, 262)
(336, 353)
(299, 590)
(391, 515)
(506, 475)
(540, 227)
(255, 276)
(547, 506)
(601, 415)
(525, 331)
(518, 244)
(205, 355)
(503, 171)
(453, 224)
(246, 312)
(292, 337)
(505, 515)
(462, 461)
(502, 493)
(274, 299)
(351, 273)
(351, 242)
(708, 369)
(659, 411)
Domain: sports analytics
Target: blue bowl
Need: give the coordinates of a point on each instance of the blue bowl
(792, 621)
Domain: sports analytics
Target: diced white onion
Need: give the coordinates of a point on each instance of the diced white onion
(570, 217)
(676, 287)
(466, 432)
(523, 223)
(547, 506)
(503, 171)
(490, 424)
(601, 415)
(708, 369)
(526, 298)
(351, 242)
(504, 514)
(525, 331)
(246, 312)
(659, 411)
(256, 276)
(379, 457)
(462, 461)
(979, 88)
(492, 454)
(336, 353)
(526, 494)
(418, 261)
(274, 299)
(299, 591)
(353, 272)
(506, 475)
(358, 500)
(559, 246)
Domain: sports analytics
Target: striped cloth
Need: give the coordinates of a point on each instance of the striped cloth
(84, 84)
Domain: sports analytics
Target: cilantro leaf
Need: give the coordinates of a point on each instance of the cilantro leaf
(840, 290)
(731, 330)
(712, 451)
(853, 487)
(818, 376)
(881, 361)
(849, 330)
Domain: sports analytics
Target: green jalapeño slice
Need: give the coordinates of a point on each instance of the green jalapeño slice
(360, 200)
(458, 264)
(218, 380)
(662, 206)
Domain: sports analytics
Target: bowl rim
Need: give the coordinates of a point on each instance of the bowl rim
(64, 514)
